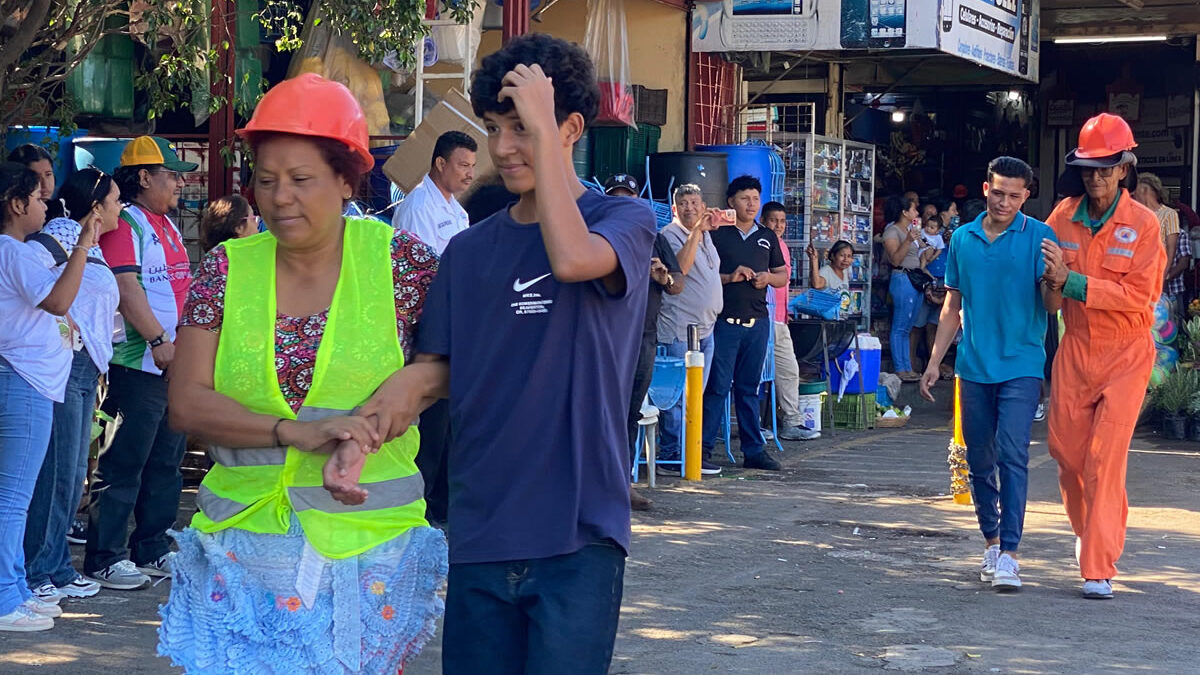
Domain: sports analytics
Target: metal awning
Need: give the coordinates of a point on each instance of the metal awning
(1094, 18)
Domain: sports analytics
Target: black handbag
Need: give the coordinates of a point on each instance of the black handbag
(919, 279)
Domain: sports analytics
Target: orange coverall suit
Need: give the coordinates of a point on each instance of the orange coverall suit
(1102, 368)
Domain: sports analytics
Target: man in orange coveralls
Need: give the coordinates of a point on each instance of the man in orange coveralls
(1109, 265)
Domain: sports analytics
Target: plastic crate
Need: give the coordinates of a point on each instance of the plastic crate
(617, 150)
(650, 105)
(653, 136)
(848, 412)
(824, 304)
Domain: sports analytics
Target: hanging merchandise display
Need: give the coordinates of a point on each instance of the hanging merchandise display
(607, 42)
(336, 58)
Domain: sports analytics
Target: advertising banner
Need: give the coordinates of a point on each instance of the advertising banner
(768, 25)
(999, 34)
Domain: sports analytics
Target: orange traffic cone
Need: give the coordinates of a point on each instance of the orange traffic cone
(960, 485)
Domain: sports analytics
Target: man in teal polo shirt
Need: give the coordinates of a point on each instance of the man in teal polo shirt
(994, 276)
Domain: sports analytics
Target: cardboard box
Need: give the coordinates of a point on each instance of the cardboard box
(408, 166)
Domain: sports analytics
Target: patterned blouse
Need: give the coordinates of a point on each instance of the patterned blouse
(296, 338)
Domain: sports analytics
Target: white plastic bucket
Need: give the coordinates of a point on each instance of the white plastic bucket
(810, 411)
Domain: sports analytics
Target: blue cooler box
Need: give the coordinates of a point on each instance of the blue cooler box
(868, 364)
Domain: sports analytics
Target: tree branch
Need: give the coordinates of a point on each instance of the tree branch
(27, 30)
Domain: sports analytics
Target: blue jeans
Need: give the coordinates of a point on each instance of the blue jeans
(670, 422)
(737, 364)
(60, 482)
(534, 617)
(997, 421)
(24, 436)
(906, 303)
(137, 475)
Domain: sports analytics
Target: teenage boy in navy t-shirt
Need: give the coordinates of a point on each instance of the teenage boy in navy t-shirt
(531, 328)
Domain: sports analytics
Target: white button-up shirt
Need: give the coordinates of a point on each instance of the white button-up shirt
(430, 216)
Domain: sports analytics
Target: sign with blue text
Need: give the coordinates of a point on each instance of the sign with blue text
(999, 34)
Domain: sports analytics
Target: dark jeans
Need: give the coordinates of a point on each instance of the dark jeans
(60, 482)
(534, 617)
(138, 475)
(997, 421)
(431, 459)
(737, 363)
(641, 385)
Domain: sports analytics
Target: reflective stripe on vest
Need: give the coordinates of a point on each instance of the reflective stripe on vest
(382, 495)
(258, 489)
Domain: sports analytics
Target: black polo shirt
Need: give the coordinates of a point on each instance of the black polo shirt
(761, 252)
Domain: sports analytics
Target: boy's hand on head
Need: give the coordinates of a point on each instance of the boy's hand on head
(532, 94)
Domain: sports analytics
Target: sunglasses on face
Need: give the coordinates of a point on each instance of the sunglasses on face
(1103, 171)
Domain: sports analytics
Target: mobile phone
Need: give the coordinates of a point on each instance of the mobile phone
(855, 27)
(947, 15)
(886, 20)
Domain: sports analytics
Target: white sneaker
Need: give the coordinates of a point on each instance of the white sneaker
(80, 588)
(158, 568)
(1040, 414)
(1006, 577)
(50, 609)
(48, 592)
(24, 620)
(987, 568)
(1098, 589)
(122, 575)
(767, 435)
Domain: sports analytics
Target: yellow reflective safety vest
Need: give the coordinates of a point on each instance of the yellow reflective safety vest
(258, 489)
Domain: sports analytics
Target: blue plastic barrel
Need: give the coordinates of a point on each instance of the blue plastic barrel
(749, 160)
(102, 153)
(58, 145)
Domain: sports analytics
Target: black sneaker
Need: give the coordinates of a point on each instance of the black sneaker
(762, 460)
(707, 468)
(78, 533)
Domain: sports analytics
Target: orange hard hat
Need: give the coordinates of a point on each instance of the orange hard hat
(1104, 140)
(310, 105)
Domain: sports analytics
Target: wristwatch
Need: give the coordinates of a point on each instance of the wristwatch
(159, 341)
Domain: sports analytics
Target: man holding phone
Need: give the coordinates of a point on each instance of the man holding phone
(689, 237)
(751, 260)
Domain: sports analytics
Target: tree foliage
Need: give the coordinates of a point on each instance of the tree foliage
(43, 41)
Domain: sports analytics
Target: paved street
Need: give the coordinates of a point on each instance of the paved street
(852, 560)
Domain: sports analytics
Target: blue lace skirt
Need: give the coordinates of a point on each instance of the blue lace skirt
(247, 604)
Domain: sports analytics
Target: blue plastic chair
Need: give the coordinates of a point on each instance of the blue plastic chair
(768, 378)
(666, 388)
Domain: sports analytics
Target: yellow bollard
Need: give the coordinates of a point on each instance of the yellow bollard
(694, 414)
(960, 484)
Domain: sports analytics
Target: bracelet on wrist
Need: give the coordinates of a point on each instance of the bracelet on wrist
(275, 430)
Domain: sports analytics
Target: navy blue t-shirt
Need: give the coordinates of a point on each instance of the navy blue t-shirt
(540, 378)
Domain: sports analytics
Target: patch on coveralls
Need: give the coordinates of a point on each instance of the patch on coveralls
(1125, 235)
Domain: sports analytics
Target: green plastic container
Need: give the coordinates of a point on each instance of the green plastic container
(811, 388)
(581, 156)
(848, 412)
(103, 83)
(617, 150)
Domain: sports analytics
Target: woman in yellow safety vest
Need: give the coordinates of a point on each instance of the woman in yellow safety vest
(310, 551)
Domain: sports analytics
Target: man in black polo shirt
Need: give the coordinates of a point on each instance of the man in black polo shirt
(751, 260)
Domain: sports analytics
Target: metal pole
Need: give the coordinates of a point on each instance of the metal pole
(694, 407)
(861, 388)
(828, 380)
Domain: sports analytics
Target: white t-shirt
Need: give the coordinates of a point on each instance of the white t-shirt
(430, 216)
(935, 240)
(832, 280)
(95, 306)
(30, 339)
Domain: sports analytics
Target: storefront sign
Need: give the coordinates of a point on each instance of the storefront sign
(765, 25)
(1060, 112)
(999, 34)
(1159, 147)
(1179, 111)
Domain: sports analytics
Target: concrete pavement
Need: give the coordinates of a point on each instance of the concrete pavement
(852, 560)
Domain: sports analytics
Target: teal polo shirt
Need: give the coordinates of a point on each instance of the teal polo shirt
(1004, 319)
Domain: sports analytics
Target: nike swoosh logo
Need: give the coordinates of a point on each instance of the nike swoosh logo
(518, 286)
